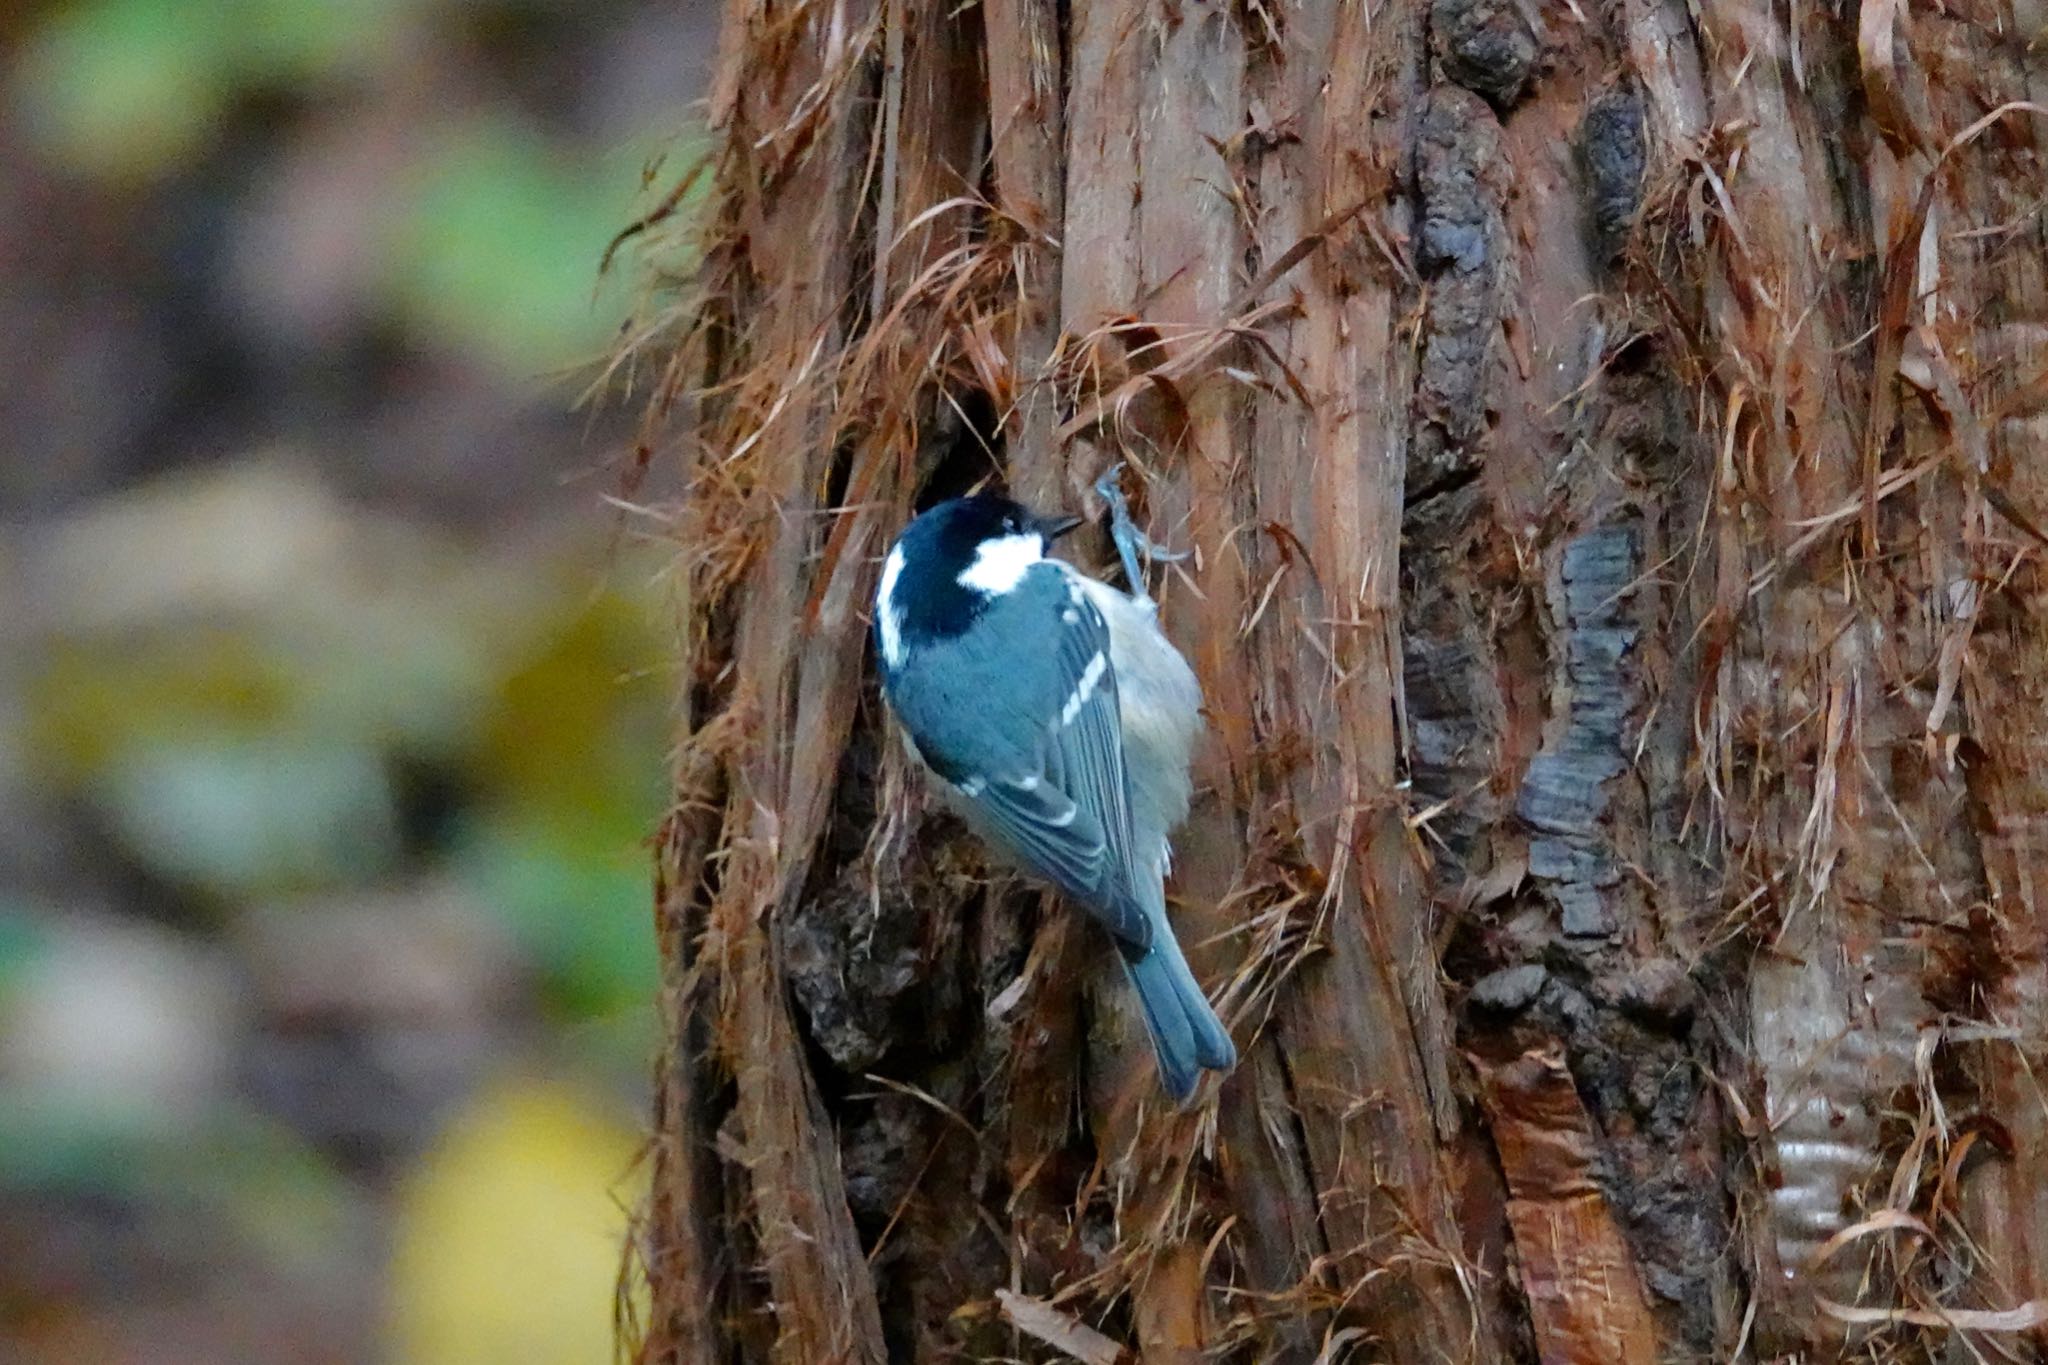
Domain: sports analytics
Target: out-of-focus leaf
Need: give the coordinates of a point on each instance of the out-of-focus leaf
(577, 729)
(292, 40)
(130, 89)
(236, 664)
(22, 941)
(240, 818)
(276, 1188)
(96, 699)
(495, 249)
(121, 1021)
(251, 600)
(569, 771)
(123, 88)
(509, 1231)
(280, 1194)
(55, 1147)
(576, 900)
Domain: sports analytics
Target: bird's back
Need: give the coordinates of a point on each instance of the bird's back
(983, 692)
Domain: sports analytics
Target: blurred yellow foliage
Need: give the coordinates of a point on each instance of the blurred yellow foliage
(509, 1233)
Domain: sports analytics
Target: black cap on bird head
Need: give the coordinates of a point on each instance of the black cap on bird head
(922, 583)
(953, 531)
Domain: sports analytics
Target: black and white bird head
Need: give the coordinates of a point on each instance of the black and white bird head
(951, 563)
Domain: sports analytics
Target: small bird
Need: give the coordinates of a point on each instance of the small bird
(1059, 723)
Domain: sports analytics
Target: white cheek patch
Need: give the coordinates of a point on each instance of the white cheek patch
(1091, 678)
(1000, 564)
(888, 619)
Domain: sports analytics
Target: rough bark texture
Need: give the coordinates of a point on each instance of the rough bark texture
(1611, 443)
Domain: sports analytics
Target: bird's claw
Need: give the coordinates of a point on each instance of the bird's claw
(1130, 541)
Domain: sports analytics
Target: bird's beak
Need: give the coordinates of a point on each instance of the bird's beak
(1052, 528)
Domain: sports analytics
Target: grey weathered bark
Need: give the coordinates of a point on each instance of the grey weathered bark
(1610, 440)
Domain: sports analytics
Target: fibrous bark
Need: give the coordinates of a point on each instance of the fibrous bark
(1609, 443)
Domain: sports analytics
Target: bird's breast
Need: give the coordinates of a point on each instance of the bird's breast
(1162, 710)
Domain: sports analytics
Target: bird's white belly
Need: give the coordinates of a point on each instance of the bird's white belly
(1161, 705)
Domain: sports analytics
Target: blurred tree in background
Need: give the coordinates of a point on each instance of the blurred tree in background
(333, 707)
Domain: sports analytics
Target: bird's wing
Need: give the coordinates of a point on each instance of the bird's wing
(1066, 815)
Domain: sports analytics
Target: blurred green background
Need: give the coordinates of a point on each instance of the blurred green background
(333, 697)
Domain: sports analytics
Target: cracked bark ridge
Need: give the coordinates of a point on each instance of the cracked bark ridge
(1460, 179)
(1612, 154)
(1569, 787)
(1486, 46)
(1456, 712)
(1563, 795)
(873, 961)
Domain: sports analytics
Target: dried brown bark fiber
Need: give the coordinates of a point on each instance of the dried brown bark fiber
(1611, 443)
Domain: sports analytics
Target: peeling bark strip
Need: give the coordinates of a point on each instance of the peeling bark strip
(1585, 1299)
(1607, 437)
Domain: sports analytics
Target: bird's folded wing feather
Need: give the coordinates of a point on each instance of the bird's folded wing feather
(1069, 820)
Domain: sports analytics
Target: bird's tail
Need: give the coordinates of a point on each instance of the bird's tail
(1186, 1034)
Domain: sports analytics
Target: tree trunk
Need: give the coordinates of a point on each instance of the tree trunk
(1610, 441)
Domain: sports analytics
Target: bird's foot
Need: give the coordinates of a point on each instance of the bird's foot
(1130, 541)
